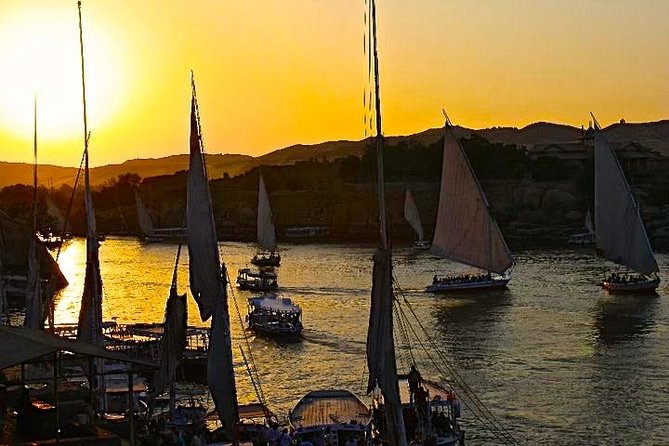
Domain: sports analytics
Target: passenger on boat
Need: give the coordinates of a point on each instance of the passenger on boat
(414, 380)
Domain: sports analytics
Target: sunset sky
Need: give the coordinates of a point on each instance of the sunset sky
(271, 73)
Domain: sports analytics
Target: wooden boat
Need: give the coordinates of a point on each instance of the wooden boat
(330, 417)
(389, 419)
(467, 283)
(620, 233)
(261, 280)
(466, 231)
(274, 316)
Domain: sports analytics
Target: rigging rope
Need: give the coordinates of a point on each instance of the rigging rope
(253, 370)
(494, 426)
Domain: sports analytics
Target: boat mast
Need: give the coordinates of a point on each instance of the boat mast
(32, 293)
(379, 137)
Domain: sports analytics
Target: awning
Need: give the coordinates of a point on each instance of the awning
(20, 345)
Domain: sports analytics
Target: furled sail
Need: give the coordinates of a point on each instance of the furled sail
(381, 345)
(89, 328)
(208, 280)
(620, 233)
(33, 292)
(266, 233)
(33, 289)
(173, 341)
(90, 313)
(466, 231)
(4, 307)
(412, 216)
(143, 217)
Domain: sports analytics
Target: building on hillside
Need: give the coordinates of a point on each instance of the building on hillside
(634, 156)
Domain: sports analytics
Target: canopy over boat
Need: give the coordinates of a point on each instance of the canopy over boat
(620, 233)
(275, 304)
(466, 231)
(266, 233)
(328, 407)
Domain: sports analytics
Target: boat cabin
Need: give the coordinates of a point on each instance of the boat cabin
(274, 315)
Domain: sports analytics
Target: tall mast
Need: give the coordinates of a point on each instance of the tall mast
(379, 137)
(35, 168)
(83, 99)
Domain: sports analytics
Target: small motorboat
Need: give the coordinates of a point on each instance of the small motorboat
(274, 316)
(267, 259)
(262, 280)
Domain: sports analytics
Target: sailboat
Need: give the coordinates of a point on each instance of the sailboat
(208, 283)
(266, 233)
(621, 236)
(400, 401)
(466, 231)
(412, 216)
(584, 238)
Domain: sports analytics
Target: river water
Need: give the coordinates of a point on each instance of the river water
(553, 357)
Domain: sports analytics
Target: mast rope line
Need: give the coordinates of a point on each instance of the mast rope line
(496, 427)
(253, 369)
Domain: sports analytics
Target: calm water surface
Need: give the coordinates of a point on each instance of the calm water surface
(554, 357)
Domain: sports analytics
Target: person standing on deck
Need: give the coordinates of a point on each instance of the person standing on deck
(414, 380)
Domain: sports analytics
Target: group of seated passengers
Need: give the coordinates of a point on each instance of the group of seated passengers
(464, 278)
(621, 278)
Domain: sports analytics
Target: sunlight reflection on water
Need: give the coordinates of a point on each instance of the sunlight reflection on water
(556, 358)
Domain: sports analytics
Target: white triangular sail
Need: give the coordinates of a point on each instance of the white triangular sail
(143, 217)
(208, 281)
(266, 233)
(466, 231)
(620, 233)
(412, 216)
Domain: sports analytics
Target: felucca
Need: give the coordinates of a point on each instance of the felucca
(406, 407)
(466, 231)
(620, 233)
(34, 317)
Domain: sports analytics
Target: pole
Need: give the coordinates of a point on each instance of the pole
(379, 138)
(131, 409)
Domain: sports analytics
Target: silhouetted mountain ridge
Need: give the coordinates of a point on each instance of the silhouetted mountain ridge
(652, 134)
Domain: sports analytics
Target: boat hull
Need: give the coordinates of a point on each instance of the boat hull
(273, 330)
(468, 286)
(645, 287)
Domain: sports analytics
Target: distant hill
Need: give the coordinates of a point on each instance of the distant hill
(218, 165)
(652, 134)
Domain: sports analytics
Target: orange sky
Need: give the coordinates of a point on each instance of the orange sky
(276, 72)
